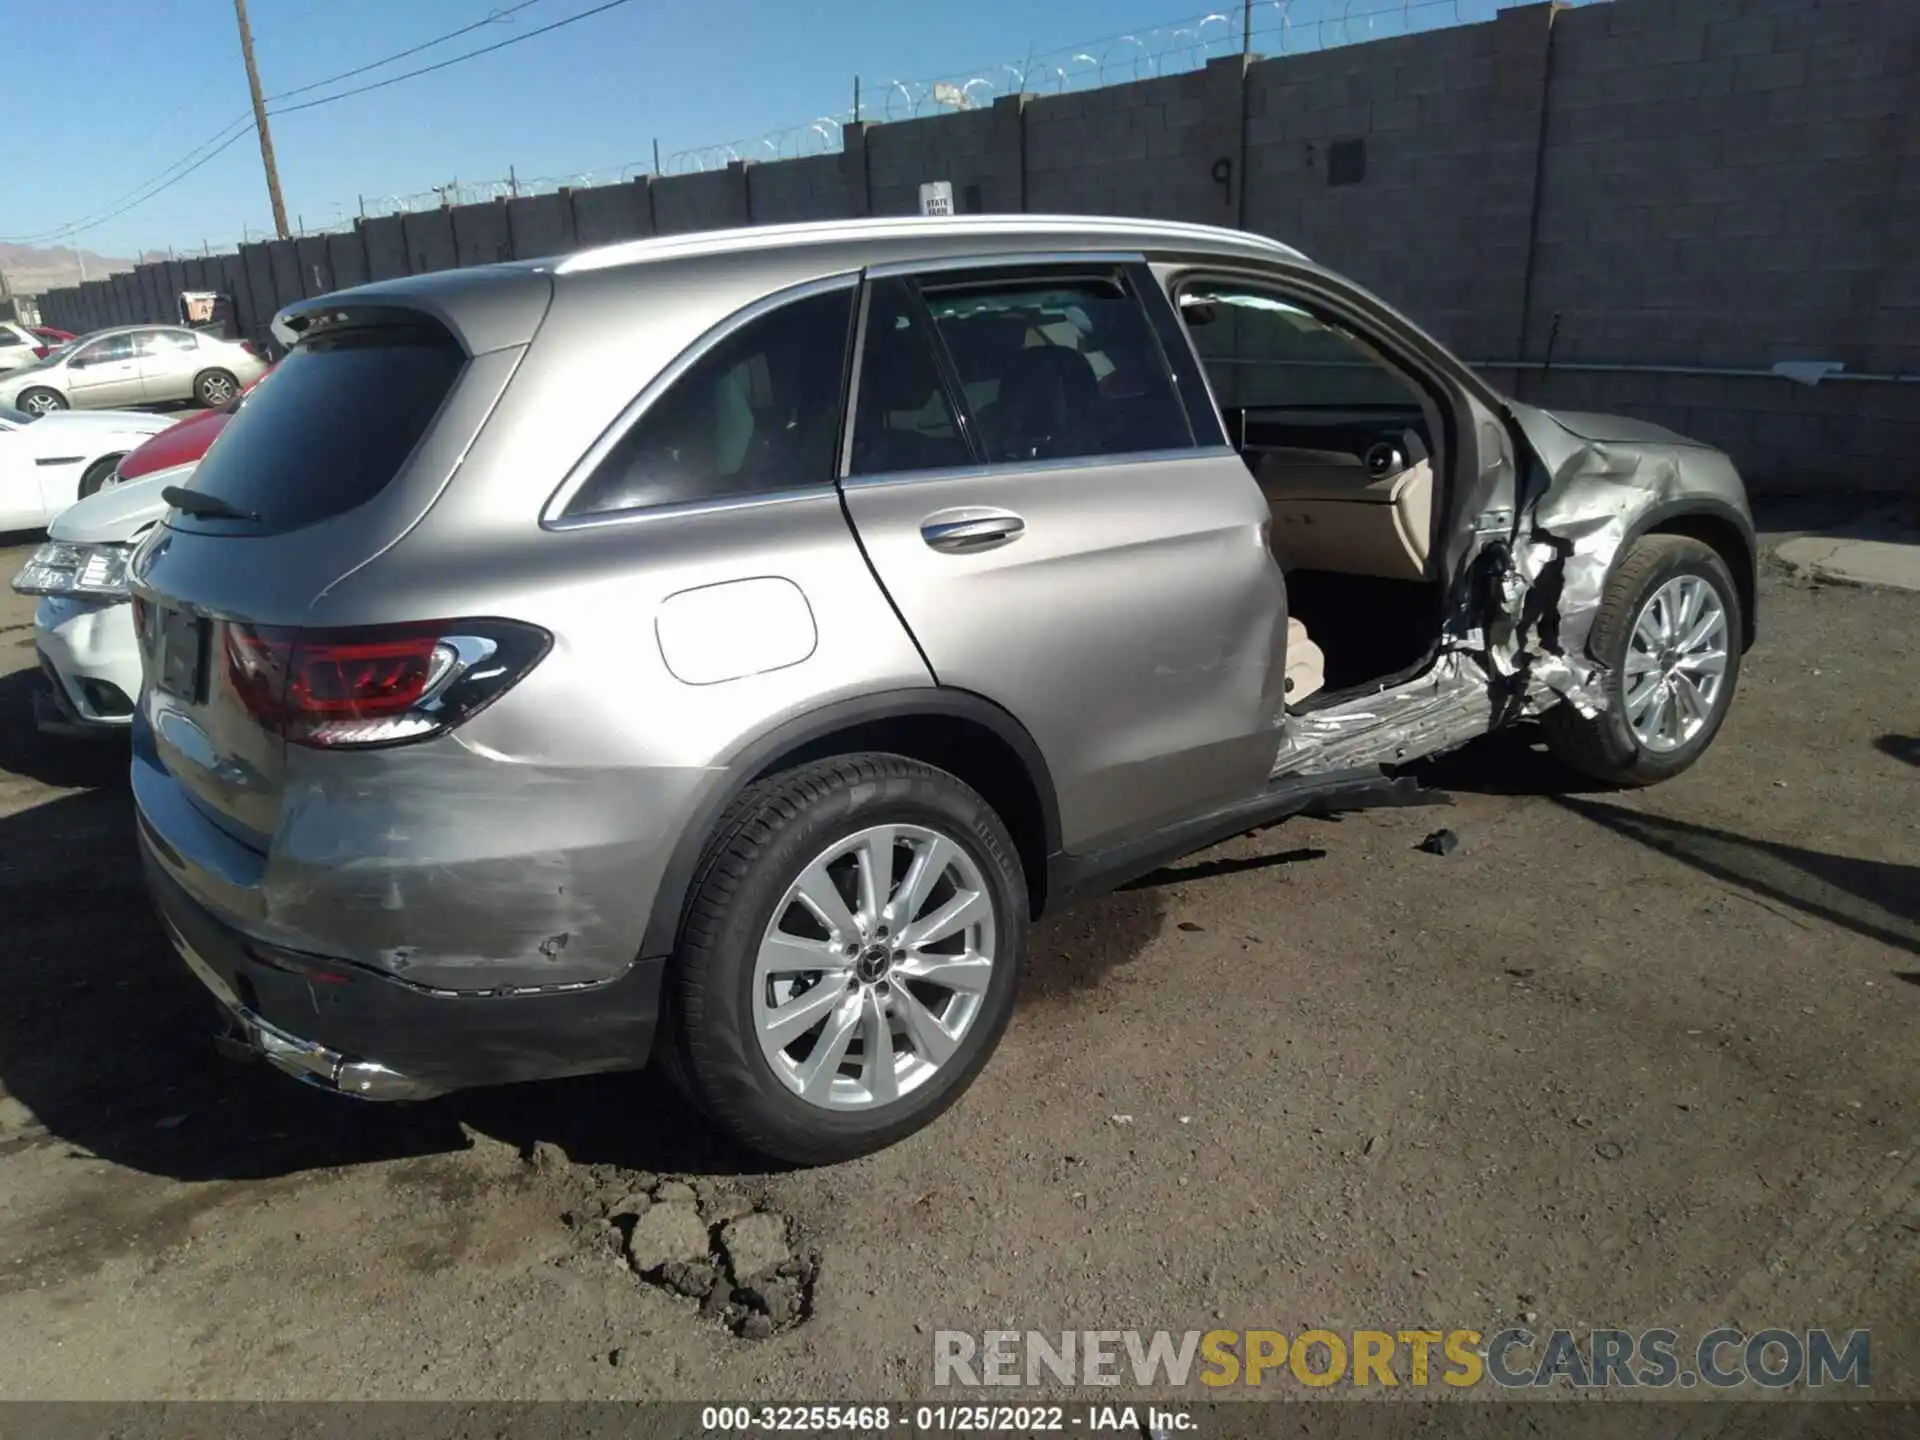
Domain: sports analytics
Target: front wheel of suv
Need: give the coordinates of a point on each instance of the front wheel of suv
(850, 956)
(1668, 632)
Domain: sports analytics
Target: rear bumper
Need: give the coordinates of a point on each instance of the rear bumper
(354, 1031)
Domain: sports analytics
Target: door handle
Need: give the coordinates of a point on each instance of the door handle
(957, 532)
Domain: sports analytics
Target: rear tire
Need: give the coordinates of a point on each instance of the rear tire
(789, 1095)
(1626, 744)
(214, 388)
(38, 400)
(98, 475)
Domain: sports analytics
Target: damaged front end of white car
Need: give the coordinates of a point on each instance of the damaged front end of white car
(83, 625)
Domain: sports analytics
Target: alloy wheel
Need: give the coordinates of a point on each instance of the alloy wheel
(874, 967)
(1676, 663)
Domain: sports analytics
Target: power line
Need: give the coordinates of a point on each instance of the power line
(191, 161)
(457, 59)
(194, 158)
(231, 140)
(492, 17)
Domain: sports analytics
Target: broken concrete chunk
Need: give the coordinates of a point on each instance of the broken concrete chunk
(1440, 842)
(720, 1207)
(671, 1192)
(695, 1279)
(754, 1245)
(600, 1237)
(638, 1203)
(664, 1234)
(778, 1300)
(756, 1326)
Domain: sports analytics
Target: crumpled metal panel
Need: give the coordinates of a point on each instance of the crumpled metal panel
(1515, 641)
(1452, 703)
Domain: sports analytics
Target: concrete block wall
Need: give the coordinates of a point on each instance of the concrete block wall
(256, 266)
(481, 235)
(347, 260)
(812, 188)
(708, 200)
(283, 263)
(1730, 183)
(957, 148)
(1447, 125)
(606, 214)
(1689, 184)
(429, 237)
(540, 225)
(385, 240)
(314, 257)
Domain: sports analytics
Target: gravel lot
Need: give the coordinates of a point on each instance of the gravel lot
(1640, 1059)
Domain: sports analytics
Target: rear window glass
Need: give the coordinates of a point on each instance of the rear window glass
(334, 428)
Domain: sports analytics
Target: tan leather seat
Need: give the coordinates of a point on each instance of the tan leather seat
(1328, 515)
(1306, 664)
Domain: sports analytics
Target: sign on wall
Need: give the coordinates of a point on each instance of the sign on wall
(936, 197)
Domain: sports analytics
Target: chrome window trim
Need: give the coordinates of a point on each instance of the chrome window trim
(1032, 467)
(850, 402)
(683, 509)
(1011, 260)
(553, 514)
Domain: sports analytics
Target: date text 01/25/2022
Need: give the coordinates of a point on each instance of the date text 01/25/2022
(953, 1419)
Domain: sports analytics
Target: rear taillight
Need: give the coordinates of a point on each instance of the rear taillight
(39, 352)
(383, 685)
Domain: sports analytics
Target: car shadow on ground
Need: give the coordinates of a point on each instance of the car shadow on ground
(1904, 748)
(1513, 761)
(1875, 898)
(105, 1037)
(63, 764)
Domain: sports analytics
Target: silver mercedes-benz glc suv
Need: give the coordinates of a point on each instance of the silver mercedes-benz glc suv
(721, 648)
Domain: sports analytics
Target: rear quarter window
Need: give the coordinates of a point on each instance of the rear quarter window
(344, 412)
(757, 413)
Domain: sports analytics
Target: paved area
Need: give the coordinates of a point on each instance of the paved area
(1892, 561)
(1618, 1059)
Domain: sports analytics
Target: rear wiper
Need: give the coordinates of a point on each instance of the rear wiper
(207, 507)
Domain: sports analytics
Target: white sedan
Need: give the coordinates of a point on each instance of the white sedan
(83, 627)
(49, 463)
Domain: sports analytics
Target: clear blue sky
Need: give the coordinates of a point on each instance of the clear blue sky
(116, 91)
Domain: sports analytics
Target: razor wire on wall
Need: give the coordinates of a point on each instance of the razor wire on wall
(1268, 28)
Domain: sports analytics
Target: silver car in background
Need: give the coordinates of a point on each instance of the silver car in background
(134, 365)
(726, 645)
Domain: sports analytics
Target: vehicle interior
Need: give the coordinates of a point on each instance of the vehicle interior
(1347, 449)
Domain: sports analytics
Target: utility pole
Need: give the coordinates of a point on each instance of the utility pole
(260, 121)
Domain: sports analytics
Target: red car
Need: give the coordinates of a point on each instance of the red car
(51, 335)
(186, 442)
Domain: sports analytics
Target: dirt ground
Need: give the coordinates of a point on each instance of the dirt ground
(1642, 1059)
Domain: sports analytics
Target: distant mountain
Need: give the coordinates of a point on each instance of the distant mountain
(32, 270)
